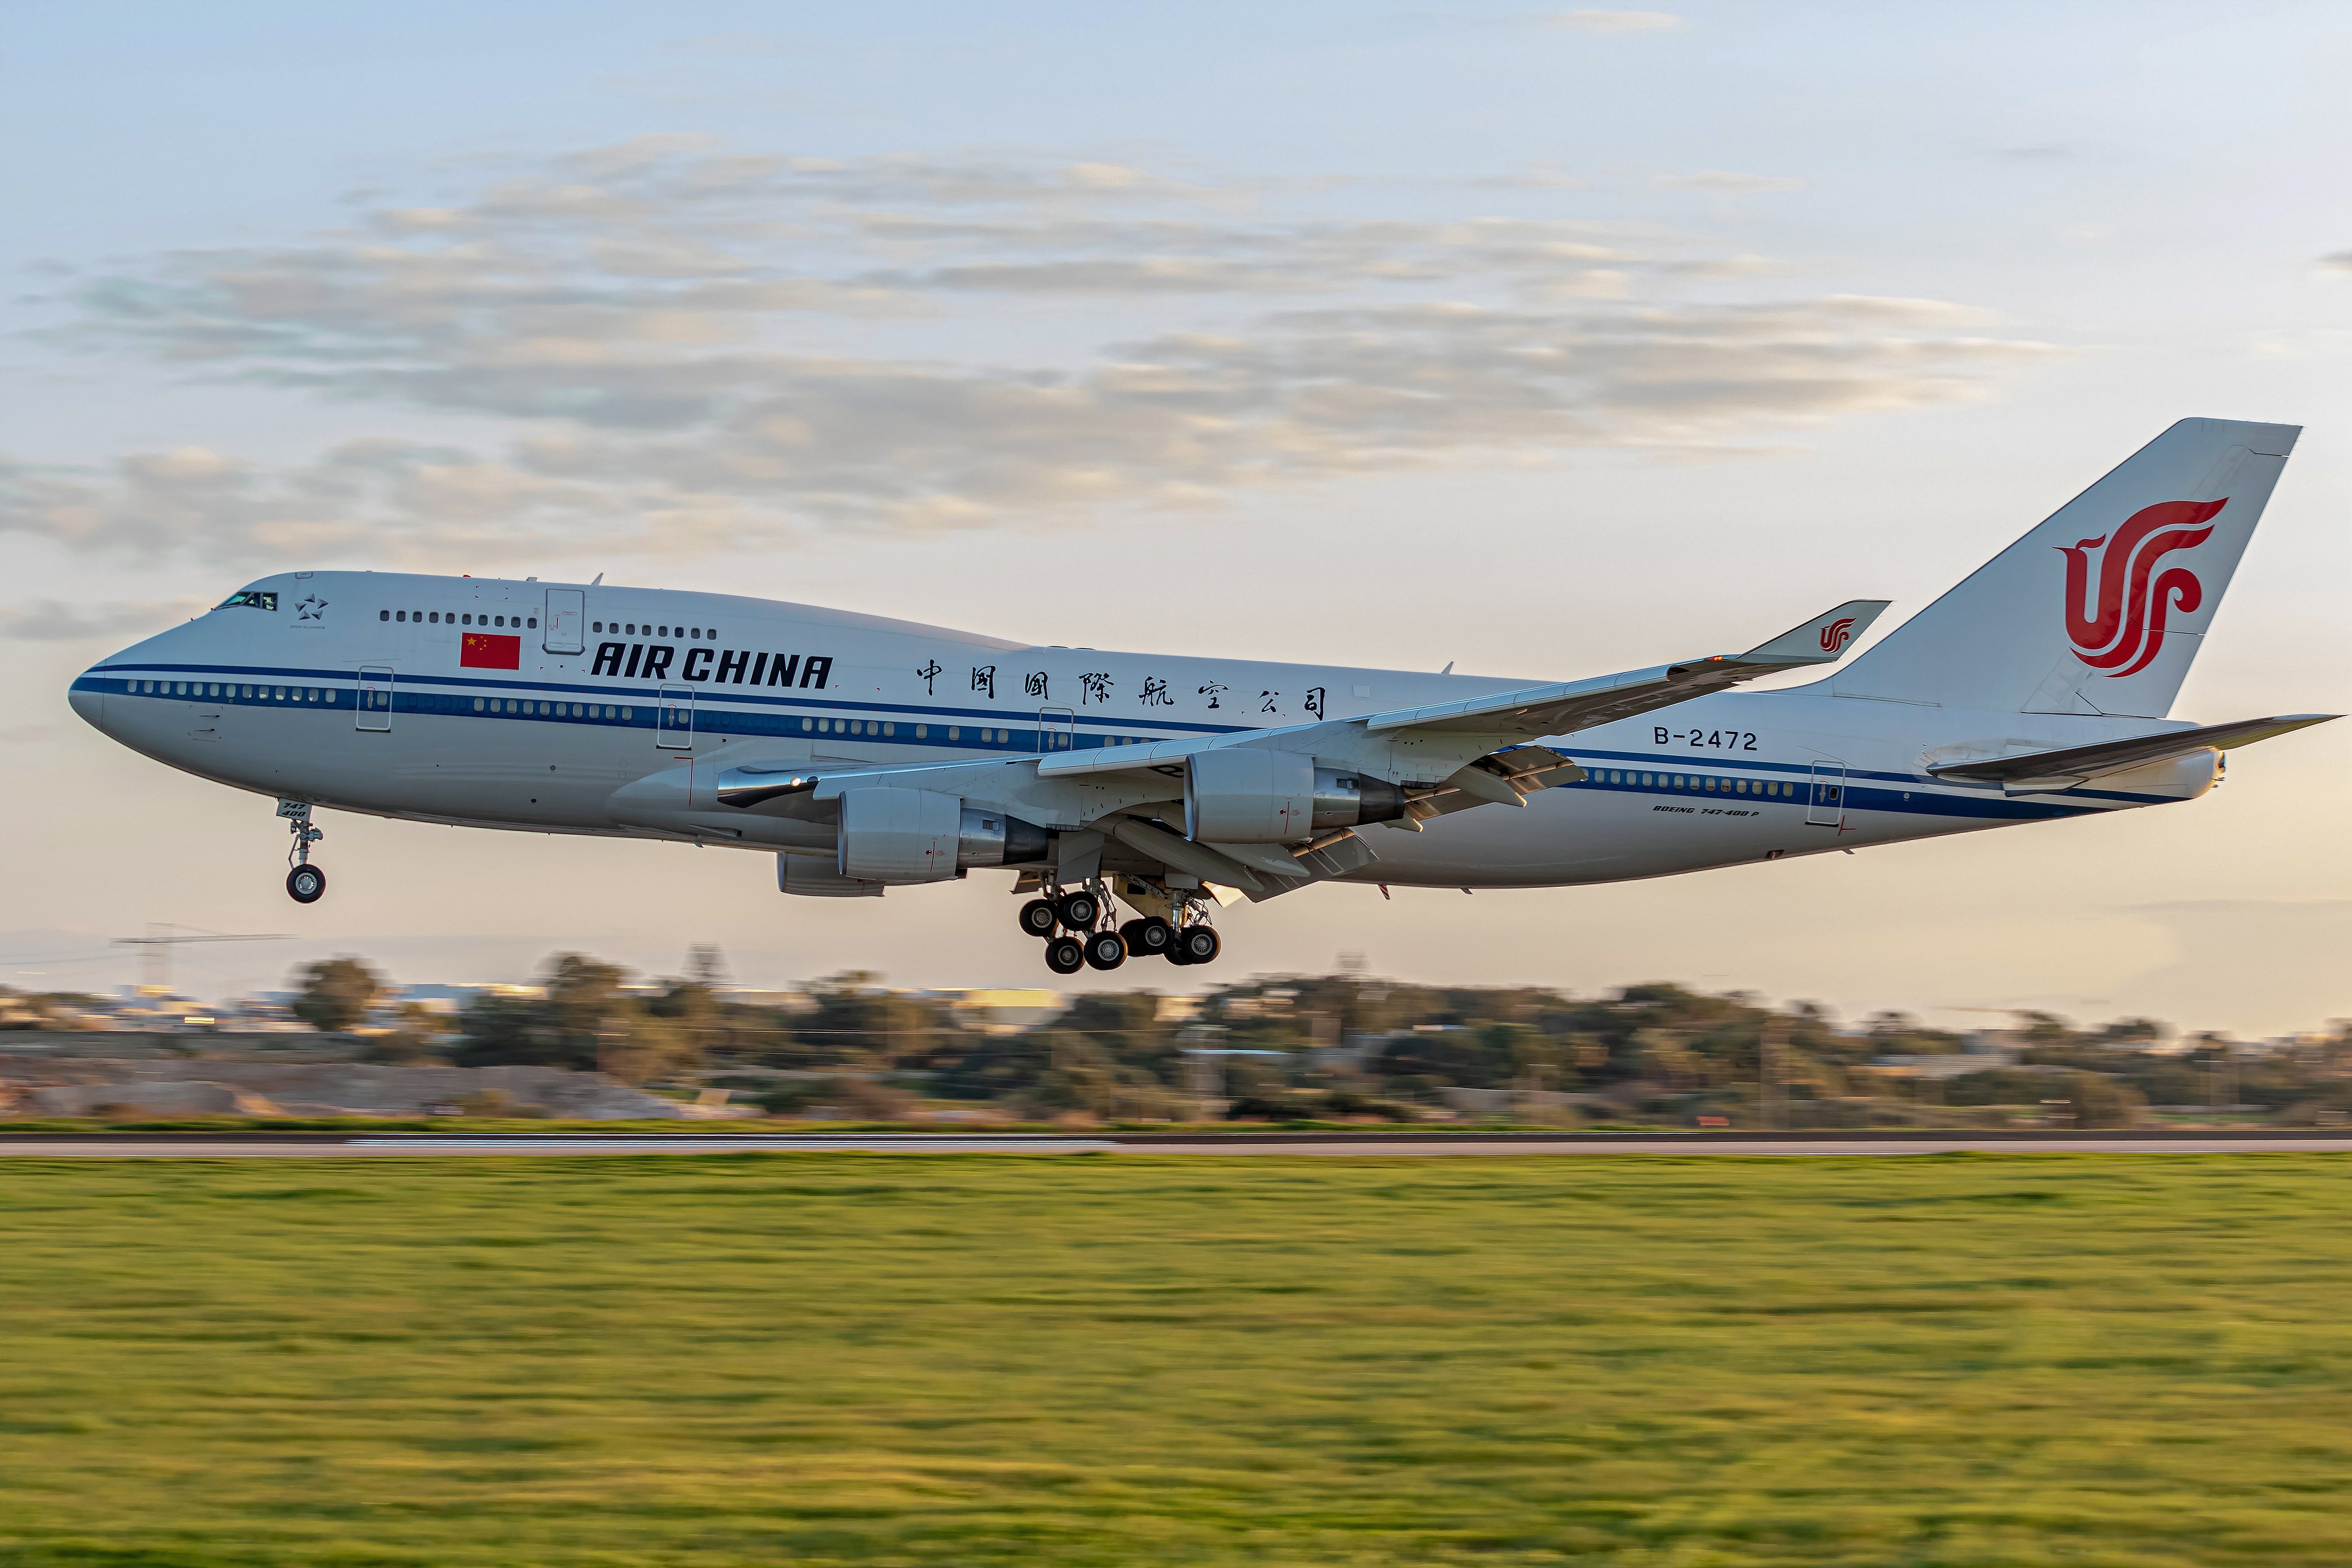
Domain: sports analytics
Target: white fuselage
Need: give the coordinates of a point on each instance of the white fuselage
(359, 691)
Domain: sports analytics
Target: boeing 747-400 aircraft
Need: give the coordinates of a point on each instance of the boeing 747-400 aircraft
(866, 752)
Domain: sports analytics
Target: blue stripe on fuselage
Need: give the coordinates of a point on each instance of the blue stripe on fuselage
(784, 716)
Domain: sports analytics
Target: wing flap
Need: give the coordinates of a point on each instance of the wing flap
(2063, 769)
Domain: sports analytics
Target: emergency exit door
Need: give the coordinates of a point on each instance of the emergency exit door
(1057, 729)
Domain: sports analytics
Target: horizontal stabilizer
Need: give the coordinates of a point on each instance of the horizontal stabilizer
(2039, 770)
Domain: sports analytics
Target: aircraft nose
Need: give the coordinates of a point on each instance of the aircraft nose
(87, 696)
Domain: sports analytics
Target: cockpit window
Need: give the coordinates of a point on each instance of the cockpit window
(251, 598)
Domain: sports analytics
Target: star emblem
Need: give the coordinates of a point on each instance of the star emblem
(310, 607)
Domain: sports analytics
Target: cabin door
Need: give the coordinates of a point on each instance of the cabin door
(673, 720)
(374, 697)
(563, 624)
(1825, 805)
(1057, 729)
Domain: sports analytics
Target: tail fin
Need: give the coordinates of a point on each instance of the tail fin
(2102, 607)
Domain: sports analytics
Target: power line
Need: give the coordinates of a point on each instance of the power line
(155, 950)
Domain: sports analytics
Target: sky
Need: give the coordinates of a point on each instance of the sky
(1543, 341)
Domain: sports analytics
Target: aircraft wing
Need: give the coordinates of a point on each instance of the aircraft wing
(1565, 708)
(2036, 772)
(1506, 716)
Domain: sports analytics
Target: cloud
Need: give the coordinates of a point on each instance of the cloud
(1726, 181)
(678, 347)
(2335, 262)
(52, 620)
(1612, 21)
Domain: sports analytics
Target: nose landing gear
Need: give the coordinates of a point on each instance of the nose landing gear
(305, 883)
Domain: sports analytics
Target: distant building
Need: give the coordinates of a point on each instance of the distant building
(996, 1011)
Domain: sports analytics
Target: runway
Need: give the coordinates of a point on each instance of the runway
(249, 1146)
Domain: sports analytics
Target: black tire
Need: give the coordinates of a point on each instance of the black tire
(1079, 910)
(1106, 949)
(1150, 937)
(1199, 944)
(1037, 917)
(1065, 956)
(305, 884)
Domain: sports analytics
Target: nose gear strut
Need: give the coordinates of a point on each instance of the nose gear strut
(305, 883)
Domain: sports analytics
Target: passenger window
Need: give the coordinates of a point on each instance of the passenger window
(401, 615)
(534, 620)
(922, 731)
(890, 729)
(628, 713)
(383, 615)
(808, 724)
(477, 705)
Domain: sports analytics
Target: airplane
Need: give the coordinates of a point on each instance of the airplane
(868, 754)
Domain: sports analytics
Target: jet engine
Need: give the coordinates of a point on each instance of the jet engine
(1242, 794)
(921, 835)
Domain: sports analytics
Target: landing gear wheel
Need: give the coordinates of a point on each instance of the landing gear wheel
(305, 884)
(1079, 911)
(1037, 917)
(1199, 944)
(1106, 949)
(1149, 937)
(1065, 956)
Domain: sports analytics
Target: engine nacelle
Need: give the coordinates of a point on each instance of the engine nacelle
(921, 835)
(1240, 795)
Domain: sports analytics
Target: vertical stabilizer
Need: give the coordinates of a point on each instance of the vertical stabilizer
(2102, 607)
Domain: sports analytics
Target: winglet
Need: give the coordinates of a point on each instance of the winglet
(1821, 640)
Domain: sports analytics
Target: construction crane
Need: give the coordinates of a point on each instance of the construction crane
(155, 950)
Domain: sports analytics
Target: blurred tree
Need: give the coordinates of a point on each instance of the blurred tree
(634, 1047)
(336, 992)
(2101, 1102)
(567, 1027)
(857, 1024)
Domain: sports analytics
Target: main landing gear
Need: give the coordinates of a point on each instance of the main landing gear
(1077, 935)
(305, 883)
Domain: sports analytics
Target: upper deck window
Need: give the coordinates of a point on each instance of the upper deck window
(251, 598)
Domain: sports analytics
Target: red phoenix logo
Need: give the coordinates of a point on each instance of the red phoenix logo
(2122, 632)
(1836, 634)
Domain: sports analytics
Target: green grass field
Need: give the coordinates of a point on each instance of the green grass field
(2081, 1360)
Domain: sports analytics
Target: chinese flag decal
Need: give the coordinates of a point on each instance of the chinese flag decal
(480, 650)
